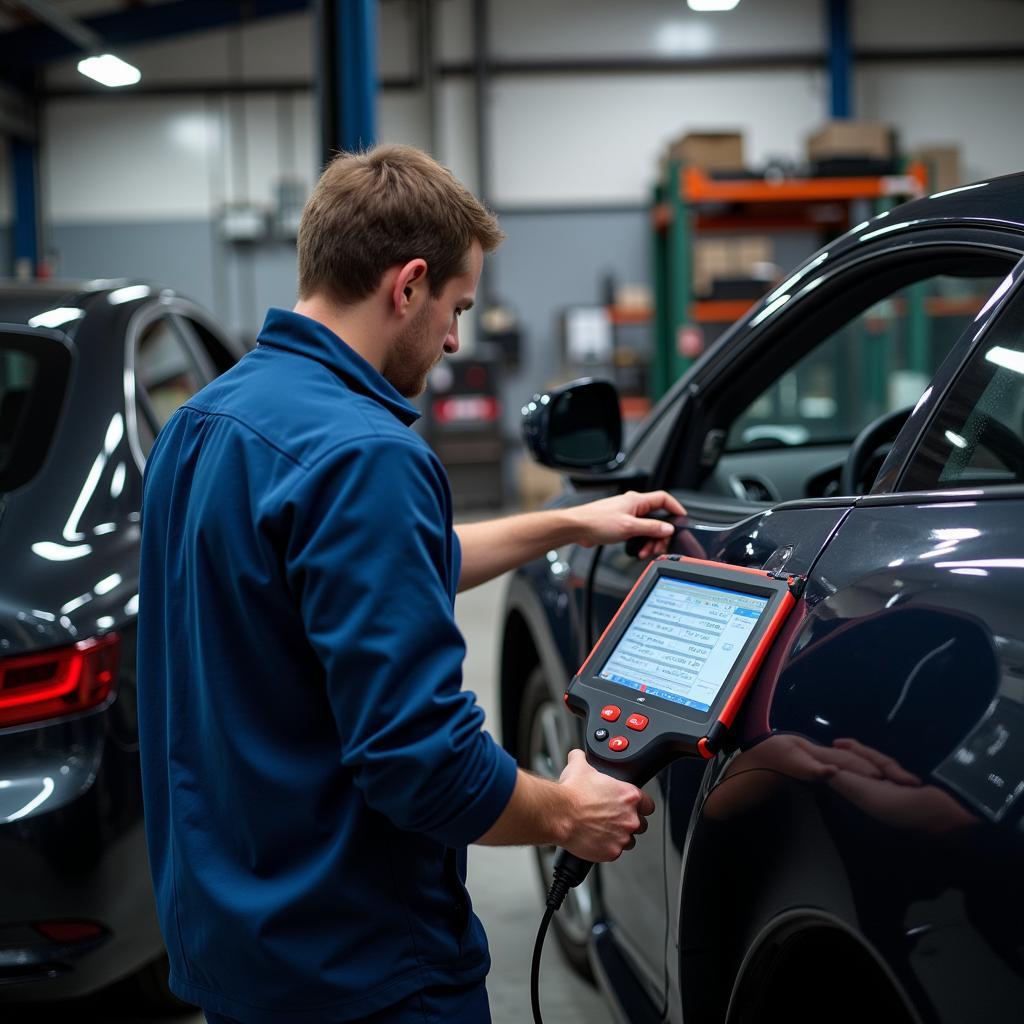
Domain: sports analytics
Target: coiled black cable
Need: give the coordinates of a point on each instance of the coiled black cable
(569, 871)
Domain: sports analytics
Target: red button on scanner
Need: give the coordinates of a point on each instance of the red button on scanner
(637, 722)
(618, 743)
(610, 713)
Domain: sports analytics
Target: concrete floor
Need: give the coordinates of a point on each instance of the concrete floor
(502, 882)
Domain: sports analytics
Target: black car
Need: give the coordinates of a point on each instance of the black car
(862, 427)
(88, 374)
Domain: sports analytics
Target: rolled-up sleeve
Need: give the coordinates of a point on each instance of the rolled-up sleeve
(371, 559)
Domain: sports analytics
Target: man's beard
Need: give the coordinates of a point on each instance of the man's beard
(408, 363)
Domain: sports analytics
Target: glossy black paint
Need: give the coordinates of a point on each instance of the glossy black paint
(72, 846)
(767, 889)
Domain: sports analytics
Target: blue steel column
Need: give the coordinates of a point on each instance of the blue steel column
(26, 208)
(840, 58)
(347, 31)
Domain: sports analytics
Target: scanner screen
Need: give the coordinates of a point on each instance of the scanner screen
(684, 641)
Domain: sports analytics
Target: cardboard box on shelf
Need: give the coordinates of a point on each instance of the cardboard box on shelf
(943, 163)
(837, 139)
(737, 256)
(710, 151)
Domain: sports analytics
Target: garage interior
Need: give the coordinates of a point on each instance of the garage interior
(606, 135)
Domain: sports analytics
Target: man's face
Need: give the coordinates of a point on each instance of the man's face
(433, 331)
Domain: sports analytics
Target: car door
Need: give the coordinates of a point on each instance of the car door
(912, 651)
(730, 464)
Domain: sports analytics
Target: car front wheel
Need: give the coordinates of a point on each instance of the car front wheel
(546, 736)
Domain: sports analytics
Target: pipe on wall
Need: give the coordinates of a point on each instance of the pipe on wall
(840, 58)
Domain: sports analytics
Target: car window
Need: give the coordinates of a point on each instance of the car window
(977, 436)
(33, 379)
(166, 376)
(214, 348)
(878, 362)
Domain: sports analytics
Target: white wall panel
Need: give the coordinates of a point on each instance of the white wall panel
(927, 24)
(454, 29)
(306, 135)
(651, 28)
(144, 158)
(254, 151)
(976, 106)
(6, 198)
(595, 139)
(456, 147)
(397, 39)
(402, 117)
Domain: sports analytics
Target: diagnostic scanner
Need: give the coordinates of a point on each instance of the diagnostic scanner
(668, 678)
(669, 675)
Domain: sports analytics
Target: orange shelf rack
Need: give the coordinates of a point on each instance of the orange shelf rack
(689, 201)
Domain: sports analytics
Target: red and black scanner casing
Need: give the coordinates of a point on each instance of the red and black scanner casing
(657, 730)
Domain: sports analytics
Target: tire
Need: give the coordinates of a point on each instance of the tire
(545, 737)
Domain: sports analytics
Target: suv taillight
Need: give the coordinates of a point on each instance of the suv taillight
(58, 682)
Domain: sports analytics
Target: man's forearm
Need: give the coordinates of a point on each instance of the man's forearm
(494, 547)
(489, 549)
(539, 813)
(589, 814)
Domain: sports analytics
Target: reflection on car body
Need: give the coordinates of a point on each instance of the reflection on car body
(856, 855)
(88, 374)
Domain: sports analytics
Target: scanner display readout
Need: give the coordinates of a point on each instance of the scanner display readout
(683, 642)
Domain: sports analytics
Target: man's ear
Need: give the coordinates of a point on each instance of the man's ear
(410, 286)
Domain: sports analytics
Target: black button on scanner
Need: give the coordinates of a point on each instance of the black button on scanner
(600, 734)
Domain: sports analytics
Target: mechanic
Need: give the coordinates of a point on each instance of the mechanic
(312, 769)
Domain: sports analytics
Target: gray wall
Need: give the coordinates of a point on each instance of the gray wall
(235, 282)
(554, 259)
(550, 260)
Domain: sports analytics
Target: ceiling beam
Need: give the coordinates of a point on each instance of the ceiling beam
(73, 31)
(33, 47)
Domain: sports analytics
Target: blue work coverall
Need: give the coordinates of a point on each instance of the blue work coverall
(312, 768)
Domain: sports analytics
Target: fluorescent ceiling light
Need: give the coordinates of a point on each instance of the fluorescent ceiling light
(109, 70)
(711, 5)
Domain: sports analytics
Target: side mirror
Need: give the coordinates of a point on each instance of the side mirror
(575, 426)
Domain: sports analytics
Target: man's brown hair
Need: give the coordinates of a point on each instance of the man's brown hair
(382, 207)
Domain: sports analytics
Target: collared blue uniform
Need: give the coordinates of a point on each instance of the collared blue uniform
(312, 768)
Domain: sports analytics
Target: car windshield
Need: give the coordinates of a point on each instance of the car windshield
(32, 380)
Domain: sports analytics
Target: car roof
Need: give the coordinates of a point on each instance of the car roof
(20, 301)
(995, 201)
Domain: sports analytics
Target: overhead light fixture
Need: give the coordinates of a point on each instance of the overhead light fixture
(109, 70)
(712, 5)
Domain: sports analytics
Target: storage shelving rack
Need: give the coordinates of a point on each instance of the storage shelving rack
(689, 202)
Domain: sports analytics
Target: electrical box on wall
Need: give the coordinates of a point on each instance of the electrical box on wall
(243, 222)
(291, 198)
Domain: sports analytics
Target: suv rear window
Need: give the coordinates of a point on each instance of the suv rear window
(33, 376)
